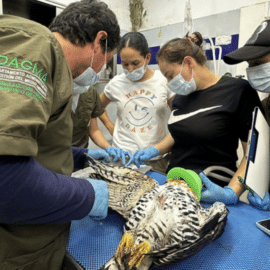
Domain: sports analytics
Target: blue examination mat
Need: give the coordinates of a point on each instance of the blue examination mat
(241, 246)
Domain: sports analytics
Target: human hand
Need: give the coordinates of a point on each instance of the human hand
(257, 202)
(99, 154)
(213, 192)
(118, 153)
(100, 207)
(142, 155)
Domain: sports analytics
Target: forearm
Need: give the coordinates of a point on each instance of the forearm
(79, 157)
(96, 135)
(234, 183)
(165, 145)
(98, 138)
(107, 122)
(30, 193)
(104, 117)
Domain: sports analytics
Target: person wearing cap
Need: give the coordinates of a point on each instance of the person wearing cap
(256, 52)
(38, 197)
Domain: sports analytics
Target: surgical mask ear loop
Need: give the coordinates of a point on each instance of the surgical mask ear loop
(106, 52)
(92, 59)
(182, 68)
(144, 64)
(191, 74)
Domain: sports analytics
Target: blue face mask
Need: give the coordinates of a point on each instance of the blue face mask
(180, 86)
(258, 77)
(136, 74)
(89, 76)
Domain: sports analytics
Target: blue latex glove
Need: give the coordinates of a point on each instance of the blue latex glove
(100, 207)
(213, 192)
(99, 154)
(142, 155)
(118, 153)
(257, 202)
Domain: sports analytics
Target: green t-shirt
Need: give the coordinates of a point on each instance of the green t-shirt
(89, 106)
(35, 95)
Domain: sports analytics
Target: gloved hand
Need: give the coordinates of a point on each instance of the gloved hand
(213, 192)
(257, 202)
(99, 154)
(100, 207)
(118, 153)
(144, 154)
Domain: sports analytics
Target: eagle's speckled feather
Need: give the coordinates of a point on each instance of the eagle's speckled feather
(165, 223)
(125, 185)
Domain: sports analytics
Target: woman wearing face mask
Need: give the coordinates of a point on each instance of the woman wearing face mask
(142, 99)
(210, 114)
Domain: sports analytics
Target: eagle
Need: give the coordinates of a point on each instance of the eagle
(165, 223)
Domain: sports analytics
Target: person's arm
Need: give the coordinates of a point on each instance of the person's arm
(165, 145)
(229, 194)
(30, 193)
(104, 100)
(79, 157)
(104, 117)
(234, 183)
(98, 138)
(96, 135)
(160, 148)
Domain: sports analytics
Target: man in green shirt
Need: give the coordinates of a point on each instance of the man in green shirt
(38, 198)
(84, 107)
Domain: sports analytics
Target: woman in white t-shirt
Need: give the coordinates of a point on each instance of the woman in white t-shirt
(142, 100)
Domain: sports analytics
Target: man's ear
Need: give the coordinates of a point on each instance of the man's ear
(101, 35)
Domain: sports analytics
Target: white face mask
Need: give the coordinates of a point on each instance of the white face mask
(89, 76)
(136, 74)
(180, 86)
(75, 100)
(78, 89)
(258, 77)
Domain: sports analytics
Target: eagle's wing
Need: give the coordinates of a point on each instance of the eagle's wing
(125, 185)
(193, 240)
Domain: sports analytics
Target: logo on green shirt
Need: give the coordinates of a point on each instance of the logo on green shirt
(25, 65)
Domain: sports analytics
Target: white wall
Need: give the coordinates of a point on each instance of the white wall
(160, 13)
(215, 19)
(121, 10)
(119, 7)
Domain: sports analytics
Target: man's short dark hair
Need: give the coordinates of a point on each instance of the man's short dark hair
(81, 21)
